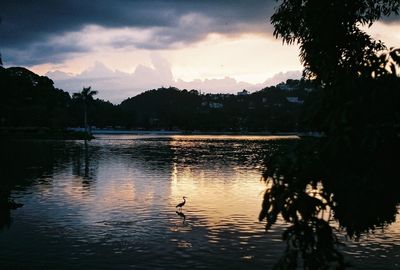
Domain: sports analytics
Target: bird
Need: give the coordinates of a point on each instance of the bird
(179, 205)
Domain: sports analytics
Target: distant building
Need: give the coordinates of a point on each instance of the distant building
(243, 93)
(215, 105)
(308, 89)
(285, 87)
(294, 100)
(251, 106)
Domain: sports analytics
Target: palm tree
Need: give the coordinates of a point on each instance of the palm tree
(86, 96)
(1, 62)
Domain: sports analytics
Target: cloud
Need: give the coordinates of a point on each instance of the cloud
(50, 51)
(230, 85)
(30, 29)
(282, 77)
(116, 86)
(27, 24)
(47, 17)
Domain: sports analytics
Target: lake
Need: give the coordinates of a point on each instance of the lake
(110, 203)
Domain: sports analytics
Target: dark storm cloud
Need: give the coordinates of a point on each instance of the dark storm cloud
(41, 52)
(27, 23)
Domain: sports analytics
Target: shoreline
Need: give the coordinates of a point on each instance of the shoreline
(217, 133)
(79, 134)
(42, 133)
(171, 132)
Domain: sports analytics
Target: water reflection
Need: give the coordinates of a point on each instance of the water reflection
(116, 199)
(182, 215)
(22, 162)
(111, 203)
(307, 179)
(82, 166)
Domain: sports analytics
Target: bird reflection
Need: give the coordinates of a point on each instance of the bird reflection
(14, 205)
(6, 204)
(182, 215)
(179, 205)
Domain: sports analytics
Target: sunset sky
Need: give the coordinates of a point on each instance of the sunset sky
(123, 47)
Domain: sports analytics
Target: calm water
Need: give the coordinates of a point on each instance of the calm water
(111, 204)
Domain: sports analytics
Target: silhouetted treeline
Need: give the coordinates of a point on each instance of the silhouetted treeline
(350, 174)
(30, 100)
(270, 109)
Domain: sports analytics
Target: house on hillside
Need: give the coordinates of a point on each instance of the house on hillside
(308, 89)
(285, 87)
(243, 93)
(294, 100)
(215, 105)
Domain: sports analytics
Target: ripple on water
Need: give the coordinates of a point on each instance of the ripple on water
(112, 205)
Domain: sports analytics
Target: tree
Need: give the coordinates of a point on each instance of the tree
(86, 97)
(1, 62)
(329, 35)
(352, 170)
(349, 66)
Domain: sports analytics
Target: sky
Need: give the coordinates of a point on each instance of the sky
(124, 47)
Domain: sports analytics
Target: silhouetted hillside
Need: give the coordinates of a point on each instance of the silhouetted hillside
(167, 108)
(271, 109)
(30, 100)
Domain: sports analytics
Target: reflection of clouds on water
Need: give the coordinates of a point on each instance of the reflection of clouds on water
(126, 178)
(128, 213)
(219, 198)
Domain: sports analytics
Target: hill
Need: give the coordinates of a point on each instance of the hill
(30, 100)
(271, 109)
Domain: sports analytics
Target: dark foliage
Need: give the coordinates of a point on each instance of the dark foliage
(31, 100)
(174, 109)
(331, 43)
(313, 181)
(350, 172)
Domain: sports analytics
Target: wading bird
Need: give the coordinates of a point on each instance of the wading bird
(179, 205)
